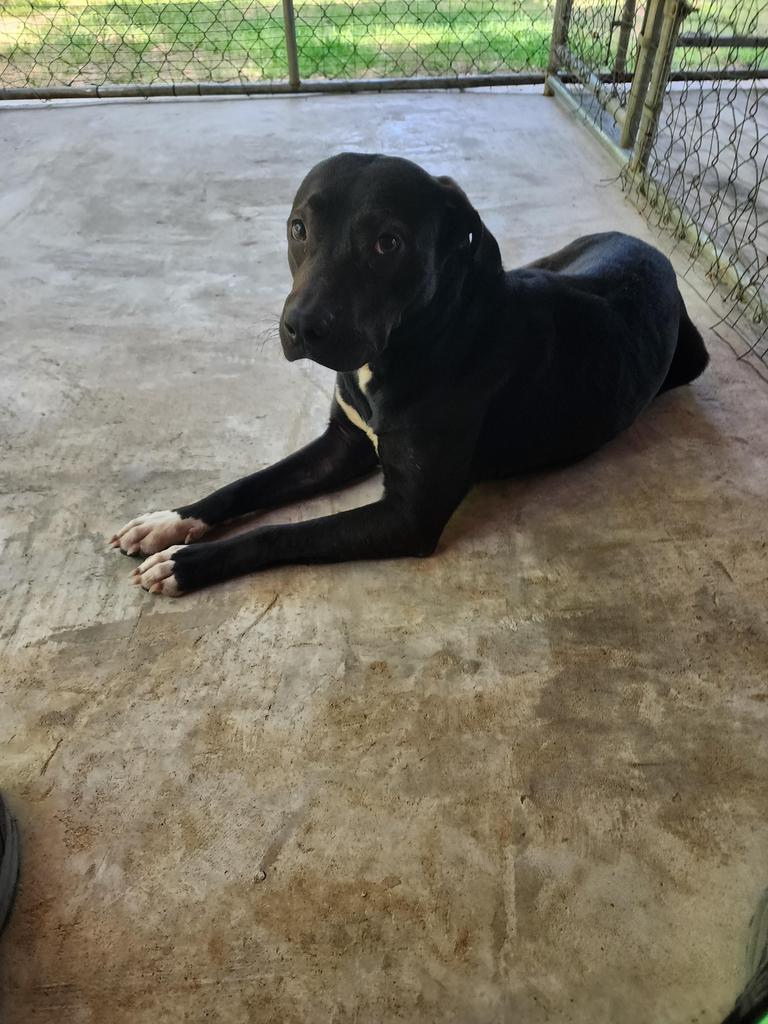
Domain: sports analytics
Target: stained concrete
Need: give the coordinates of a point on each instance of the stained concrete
(524, 780)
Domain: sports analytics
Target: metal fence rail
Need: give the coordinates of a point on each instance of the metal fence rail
(678, 90)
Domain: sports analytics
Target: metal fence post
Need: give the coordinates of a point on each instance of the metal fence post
(289, 23)
(674, 12)
(560, 23)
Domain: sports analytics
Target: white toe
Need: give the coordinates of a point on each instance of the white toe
(156, 573)
(155, 531)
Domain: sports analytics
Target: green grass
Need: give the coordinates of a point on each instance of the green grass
(64, 42)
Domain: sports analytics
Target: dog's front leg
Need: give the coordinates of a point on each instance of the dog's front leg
(418, 501)
(340, 455)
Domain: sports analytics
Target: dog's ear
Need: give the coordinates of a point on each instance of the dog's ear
(465, 227)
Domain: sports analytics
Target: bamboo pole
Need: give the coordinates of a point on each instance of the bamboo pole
(674, 12)
(648, 44)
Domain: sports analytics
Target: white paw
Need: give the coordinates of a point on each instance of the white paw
(155, 531)
(155, 574)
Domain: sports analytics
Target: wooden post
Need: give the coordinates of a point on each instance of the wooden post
(560, 25)
(625, 29)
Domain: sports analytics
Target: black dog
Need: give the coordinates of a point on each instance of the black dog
(449, 370)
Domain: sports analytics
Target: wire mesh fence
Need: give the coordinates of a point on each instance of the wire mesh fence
(677, 86)
(709, 157)
(680, 88)
(93, 42)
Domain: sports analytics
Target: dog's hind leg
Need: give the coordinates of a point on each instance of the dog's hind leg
(690, 358)
(340, 455)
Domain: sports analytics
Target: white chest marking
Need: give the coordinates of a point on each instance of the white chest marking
(354, 417)
(364, 375)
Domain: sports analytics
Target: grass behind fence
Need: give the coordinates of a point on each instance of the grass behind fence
(67, 42)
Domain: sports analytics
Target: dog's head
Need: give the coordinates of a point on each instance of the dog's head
(371, 239)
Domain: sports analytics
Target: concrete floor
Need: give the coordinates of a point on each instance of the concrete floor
(523, 781)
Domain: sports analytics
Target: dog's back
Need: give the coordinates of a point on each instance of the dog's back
(595, 331)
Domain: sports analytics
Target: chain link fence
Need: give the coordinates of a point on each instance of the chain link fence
(709, 157)
(675, 87)
(66, 43)
(678, 89)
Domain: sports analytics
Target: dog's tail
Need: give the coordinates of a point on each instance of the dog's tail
(690, 358)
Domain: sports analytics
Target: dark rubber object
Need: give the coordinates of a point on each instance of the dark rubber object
(9, 862)
(752, 1005)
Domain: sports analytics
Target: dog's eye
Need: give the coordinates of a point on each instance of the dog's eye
(386, 244)
(298, 231)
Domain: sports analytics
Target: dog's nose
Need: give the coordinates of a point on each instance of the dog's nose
(306, 326)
